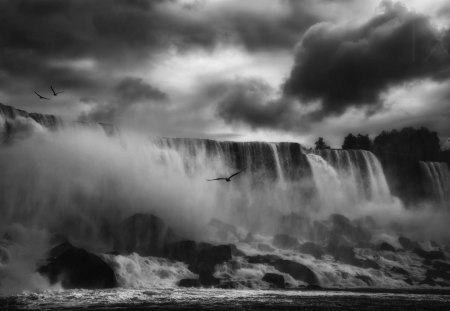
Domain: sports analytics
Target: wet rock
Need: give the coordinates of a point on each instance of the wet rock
(431, 255)
(295, 224)
(312, 249)
(366, 263)
(276, 280)
(145, 234)
(223, 230)
(262, 259)
(320, 231)
(297, 271)
(265, 248)
(398, 270)
(343, 228)
(341, 251)
(365, 278)
(366, 222)
(441, 265)
(4, 255)
(285, 241)
(386, 247)
(236, 251)
(408, 244)
(76, 268)
(428, 281)
(313, 287)
(185, 251)
(438, 273)
(189, 283)
(346, 254)
(200, 257)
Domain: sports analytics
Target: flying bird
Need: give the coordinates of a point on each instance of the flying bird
(227, 179)
(40, 96)
(55, 93)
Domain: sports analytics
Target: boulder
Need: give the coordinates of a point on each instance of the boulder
(342, 227)
(297, 271)
(189, 283)
(77, 268)
(365, 278)
(386, 247)
(285, 241)
(200, 257)
(313, 287)
(265, 248)
(262, 259)
(408, 244)
(398, 270)
(431, 255)
(312, 249)
(145, 234)
(276, 280)
(223, 230)
(186, 251)
(295, 224)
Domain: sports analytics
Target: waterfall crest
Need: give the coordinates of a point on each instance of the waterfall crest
(437, 181)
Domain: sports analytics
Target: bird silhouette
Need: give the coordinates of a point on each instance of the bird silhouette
(55, 93)
(227, 179)
(40, 96)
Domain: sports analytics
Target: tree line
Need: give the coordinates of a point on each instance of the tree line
(420, 144)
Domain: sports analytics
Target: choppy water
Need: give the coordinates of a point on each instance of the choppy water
(219, 299)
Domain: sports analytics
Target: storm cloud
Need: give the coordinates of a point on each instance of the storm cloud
(129, 92)
(249, 102)
(351, 66)
(204, 68)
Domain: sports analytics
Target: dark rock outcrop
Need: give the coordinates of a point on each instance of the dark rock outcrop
(145, 234)
(399, 270)
(200, 257)
(408, 244)
(285, 241)
(77, 268)
(343, 228)
(431, 255)
(297, 225)
(366, 279)
(312, 249)
(223, 230)
(189, 283)
(386, 247)
(346, 254)
(297, 271)
(276, 280)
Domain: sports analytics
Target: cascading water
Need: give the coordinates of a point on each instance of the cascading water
(437, 181)
(79, 183)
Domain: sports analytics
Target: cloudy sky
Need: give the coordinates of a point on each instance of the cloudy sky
(273, 70)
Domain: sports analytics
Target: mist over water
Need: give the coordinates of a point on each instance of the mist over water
(78, 183)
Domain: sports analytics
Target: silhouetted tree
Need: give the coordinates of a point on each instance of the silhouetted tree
(420, 144)
(357, 142)
(364, 142)
(349, 142)
(321, 144)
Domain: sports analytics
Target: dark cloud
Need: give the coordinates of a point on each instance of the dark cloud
(120, 35)
(348, 66)
(249, 102)
(129, 92)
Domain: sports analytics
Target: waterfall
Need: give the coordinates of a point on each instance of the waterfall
(437, 181)
(362, 173)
